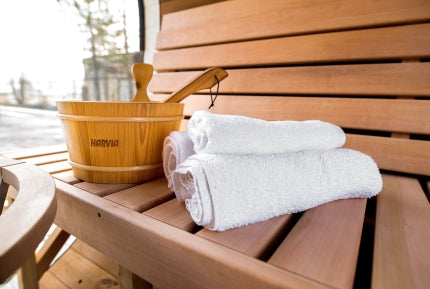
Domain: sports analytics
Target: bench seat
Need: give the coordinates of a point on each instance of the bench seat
(143, 227)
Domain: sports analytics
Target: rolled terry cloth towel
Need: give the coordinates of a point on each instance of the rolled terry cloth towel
(233, 134)
(177, 148)
(227, 191)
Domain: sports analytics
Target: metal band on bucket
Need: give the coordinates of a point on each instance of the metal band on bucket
(114, 169)
(119, 118)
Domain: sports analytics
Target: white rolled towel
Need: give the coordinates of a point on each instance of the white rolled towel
(233, 134)
(226, 191)
(177, 148)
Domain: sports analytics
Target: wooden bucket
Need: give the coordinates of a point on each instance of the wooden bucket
(117, 142)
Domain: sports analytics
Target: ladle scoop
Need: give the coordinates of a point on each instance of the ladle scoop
(142, 74)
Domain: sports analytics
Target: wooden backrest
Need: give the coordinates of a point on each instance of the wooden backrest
(28, 219)
(363, 65)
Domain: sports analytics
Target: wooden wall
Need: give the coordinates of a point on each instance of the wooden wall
(168, 6)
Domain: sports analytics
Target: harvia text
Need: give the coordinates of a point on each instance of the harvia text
(105, 143)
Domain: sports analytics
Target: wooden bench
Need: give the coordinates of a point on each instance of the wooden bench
(363, 65)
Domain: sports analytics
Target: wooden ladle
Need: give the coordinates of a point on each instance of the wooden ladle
(142, 74)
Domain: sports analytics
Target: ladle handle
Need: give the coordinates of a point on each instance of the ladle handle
(206, 79)
(142, 74)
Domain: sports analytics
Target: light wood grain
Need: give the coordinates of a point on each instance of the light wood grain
(27, 274)
(102, 190)
(49, 281)
(95, 257)
(394, 154)
(253, 19)
(162, 254)
(173, 213)
(368, 44)
(255, 240)
(324, 243)
(402, 235)
(117, 142)
(51, 246)
(356, 113)
(144, 196)
(66, 177)
(142, 74)
(76, 271)
(56, 167)
(128, 280)
(364, 79)
(36, 151)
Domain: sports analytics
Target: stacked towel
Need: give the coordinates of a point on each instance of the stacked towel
(256, 170)
(177, 148)
(226, 191)
(232, 134)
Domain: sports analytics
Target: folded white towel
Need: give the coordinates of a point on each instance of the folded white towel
(177, 148)
(232, 134)
(226, 191)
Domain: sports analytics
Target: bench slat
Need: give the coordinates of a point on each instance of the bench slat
(46, 159)
(381, 114)
(254, 19)
(67, 177)
(402, 235)
(395, 154)
(392, 79)
(254, 240)
(408, 41)
(143, 197)
(173, 213)
(56, 167)
(37, 151)
(324, 243)
(102, 190)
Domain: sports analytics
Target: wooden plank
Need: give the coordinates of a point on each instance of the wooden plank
(361, 79)
(37, 151)
(49, 281)
(128, 280)
(102, 190)
(380, 114)
(67, 177)
(394, 154)
(95, 257)
(254, 240)
(169, 6)
(46, 159)
(56, 167)
(50, 249)
(224, 11)
(162, 254)
(402, 234)
(27, 274)
(245, 20)
(143, 197)
(411, 41)
(324, 244)
(173, 213)
(76, 271)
